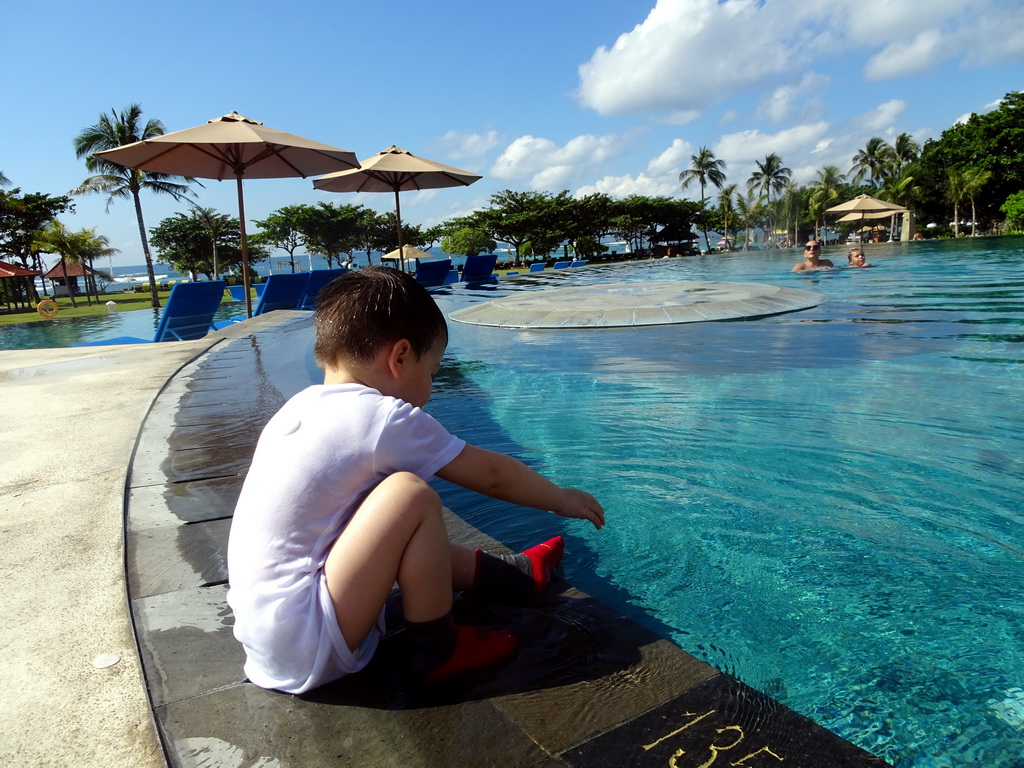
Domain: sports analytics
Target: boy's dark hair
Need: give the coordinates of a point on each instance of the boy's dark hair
(365, 310)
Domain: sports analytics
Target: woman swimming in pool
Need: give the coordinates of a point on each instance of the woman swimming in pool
(812, 258)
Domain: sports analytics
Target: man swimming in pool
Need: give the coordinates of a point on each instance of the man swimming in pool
(812, 258)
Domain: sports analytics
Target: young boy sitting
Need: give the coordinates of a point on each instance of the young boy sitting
(336, 507)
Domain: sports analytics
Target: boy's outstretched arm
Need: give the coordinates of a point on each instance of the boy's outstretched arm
(503, 477)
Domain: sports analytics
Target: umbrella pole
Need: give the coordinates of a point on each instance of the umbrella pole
(245, 246)
(398, 219)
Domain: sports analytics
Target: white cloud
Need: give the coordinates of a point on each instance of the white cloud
(746, 146)
(883, 118)
(682, 117)
(685, 55)
(624, 186)
(689, 54)
(468, 146)
(672, 160)
(784, 103)
(908, 57)
(550, 167)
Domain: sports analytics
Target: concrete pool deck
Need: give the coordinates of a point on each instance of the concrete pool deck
(89, 558)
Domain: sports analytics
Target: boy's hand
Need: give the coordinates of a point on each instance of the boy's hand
(582, 506)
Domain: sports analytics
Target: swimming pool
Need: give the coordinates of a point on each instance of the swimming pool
(68, 331)
(826, 504)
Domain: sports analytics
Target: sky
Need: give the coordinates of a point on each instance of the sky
(609, 96)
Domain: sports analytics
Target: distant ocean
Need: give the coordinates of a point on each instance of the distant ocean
(132, 275)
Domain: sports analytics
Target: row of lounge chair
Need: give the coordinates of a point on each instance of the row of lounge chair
(191, 307)
(438, 272)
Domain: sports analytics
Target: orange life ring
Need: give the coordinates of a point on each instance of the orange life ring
(47, 308)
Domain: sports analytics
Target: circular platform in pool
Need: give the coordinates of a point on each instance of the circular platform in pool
(610, 305)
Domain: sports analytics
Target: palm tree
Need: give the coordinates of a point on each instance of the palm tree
(115, 130)
(704, 168)
(94, 246)
(872, 161)
(216, 224)
(901, 190)
(904, 151)
(825, 192)
(957, 191)
(748, 209)
(975, 179)
(770, 176)
(56, 238)
(4, 181)
(725, 204)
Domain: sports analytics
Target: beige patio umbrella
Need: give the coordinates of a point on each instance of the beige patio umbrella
(865, 207)
(863, 204)
(396, 170)
(233, 145)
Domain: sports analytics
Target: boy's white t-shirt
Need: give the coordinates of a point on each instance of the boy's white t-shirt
(316, 460)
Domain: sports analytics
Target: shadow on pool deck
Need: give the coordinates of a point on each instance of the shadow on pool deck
(588, 687)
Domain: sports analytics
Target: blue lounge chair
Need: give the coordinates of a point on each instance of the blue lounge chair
(432, 273)
(479, 268)
(562, 264)
(318, 278)
(237, 292)
(188, 314)
(282, 292)
(538, 266)
(579, 263)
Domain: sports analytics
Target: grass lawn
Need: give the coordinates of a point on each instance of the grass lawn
(125, 302)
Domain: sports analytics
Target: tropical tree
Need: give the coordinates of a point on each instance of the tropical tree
(727, 208)
(825, 192)
(21, 218)
(904, 151)
(771, 176)
(115, 130)
(217, 225)
(186, 242)
(900, 189)
(94, 246)
(282, 229)
(974, 180)
(56, 238)
(1013, 207)
(956, 192)
(468, 241)
(4, 181)
(331, 230)
(748, 209)
(704, 168)
(872, 161)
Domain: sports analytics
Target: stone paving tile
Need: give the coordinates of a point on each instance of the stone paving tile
(722, 718)
(246, 725)
(155, 467)
(188, 648)
(170, 559)
(171, 504)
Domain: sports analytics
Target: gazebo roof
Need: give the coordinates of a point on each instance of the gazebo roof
(13, 270)
(75, 269)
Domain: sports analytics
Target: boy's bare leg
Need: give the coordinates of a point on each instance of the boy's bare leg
(397, 534)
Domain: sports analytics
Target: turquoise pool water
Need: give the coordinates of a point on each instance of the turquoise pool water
(65, 332)
(827, 504)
